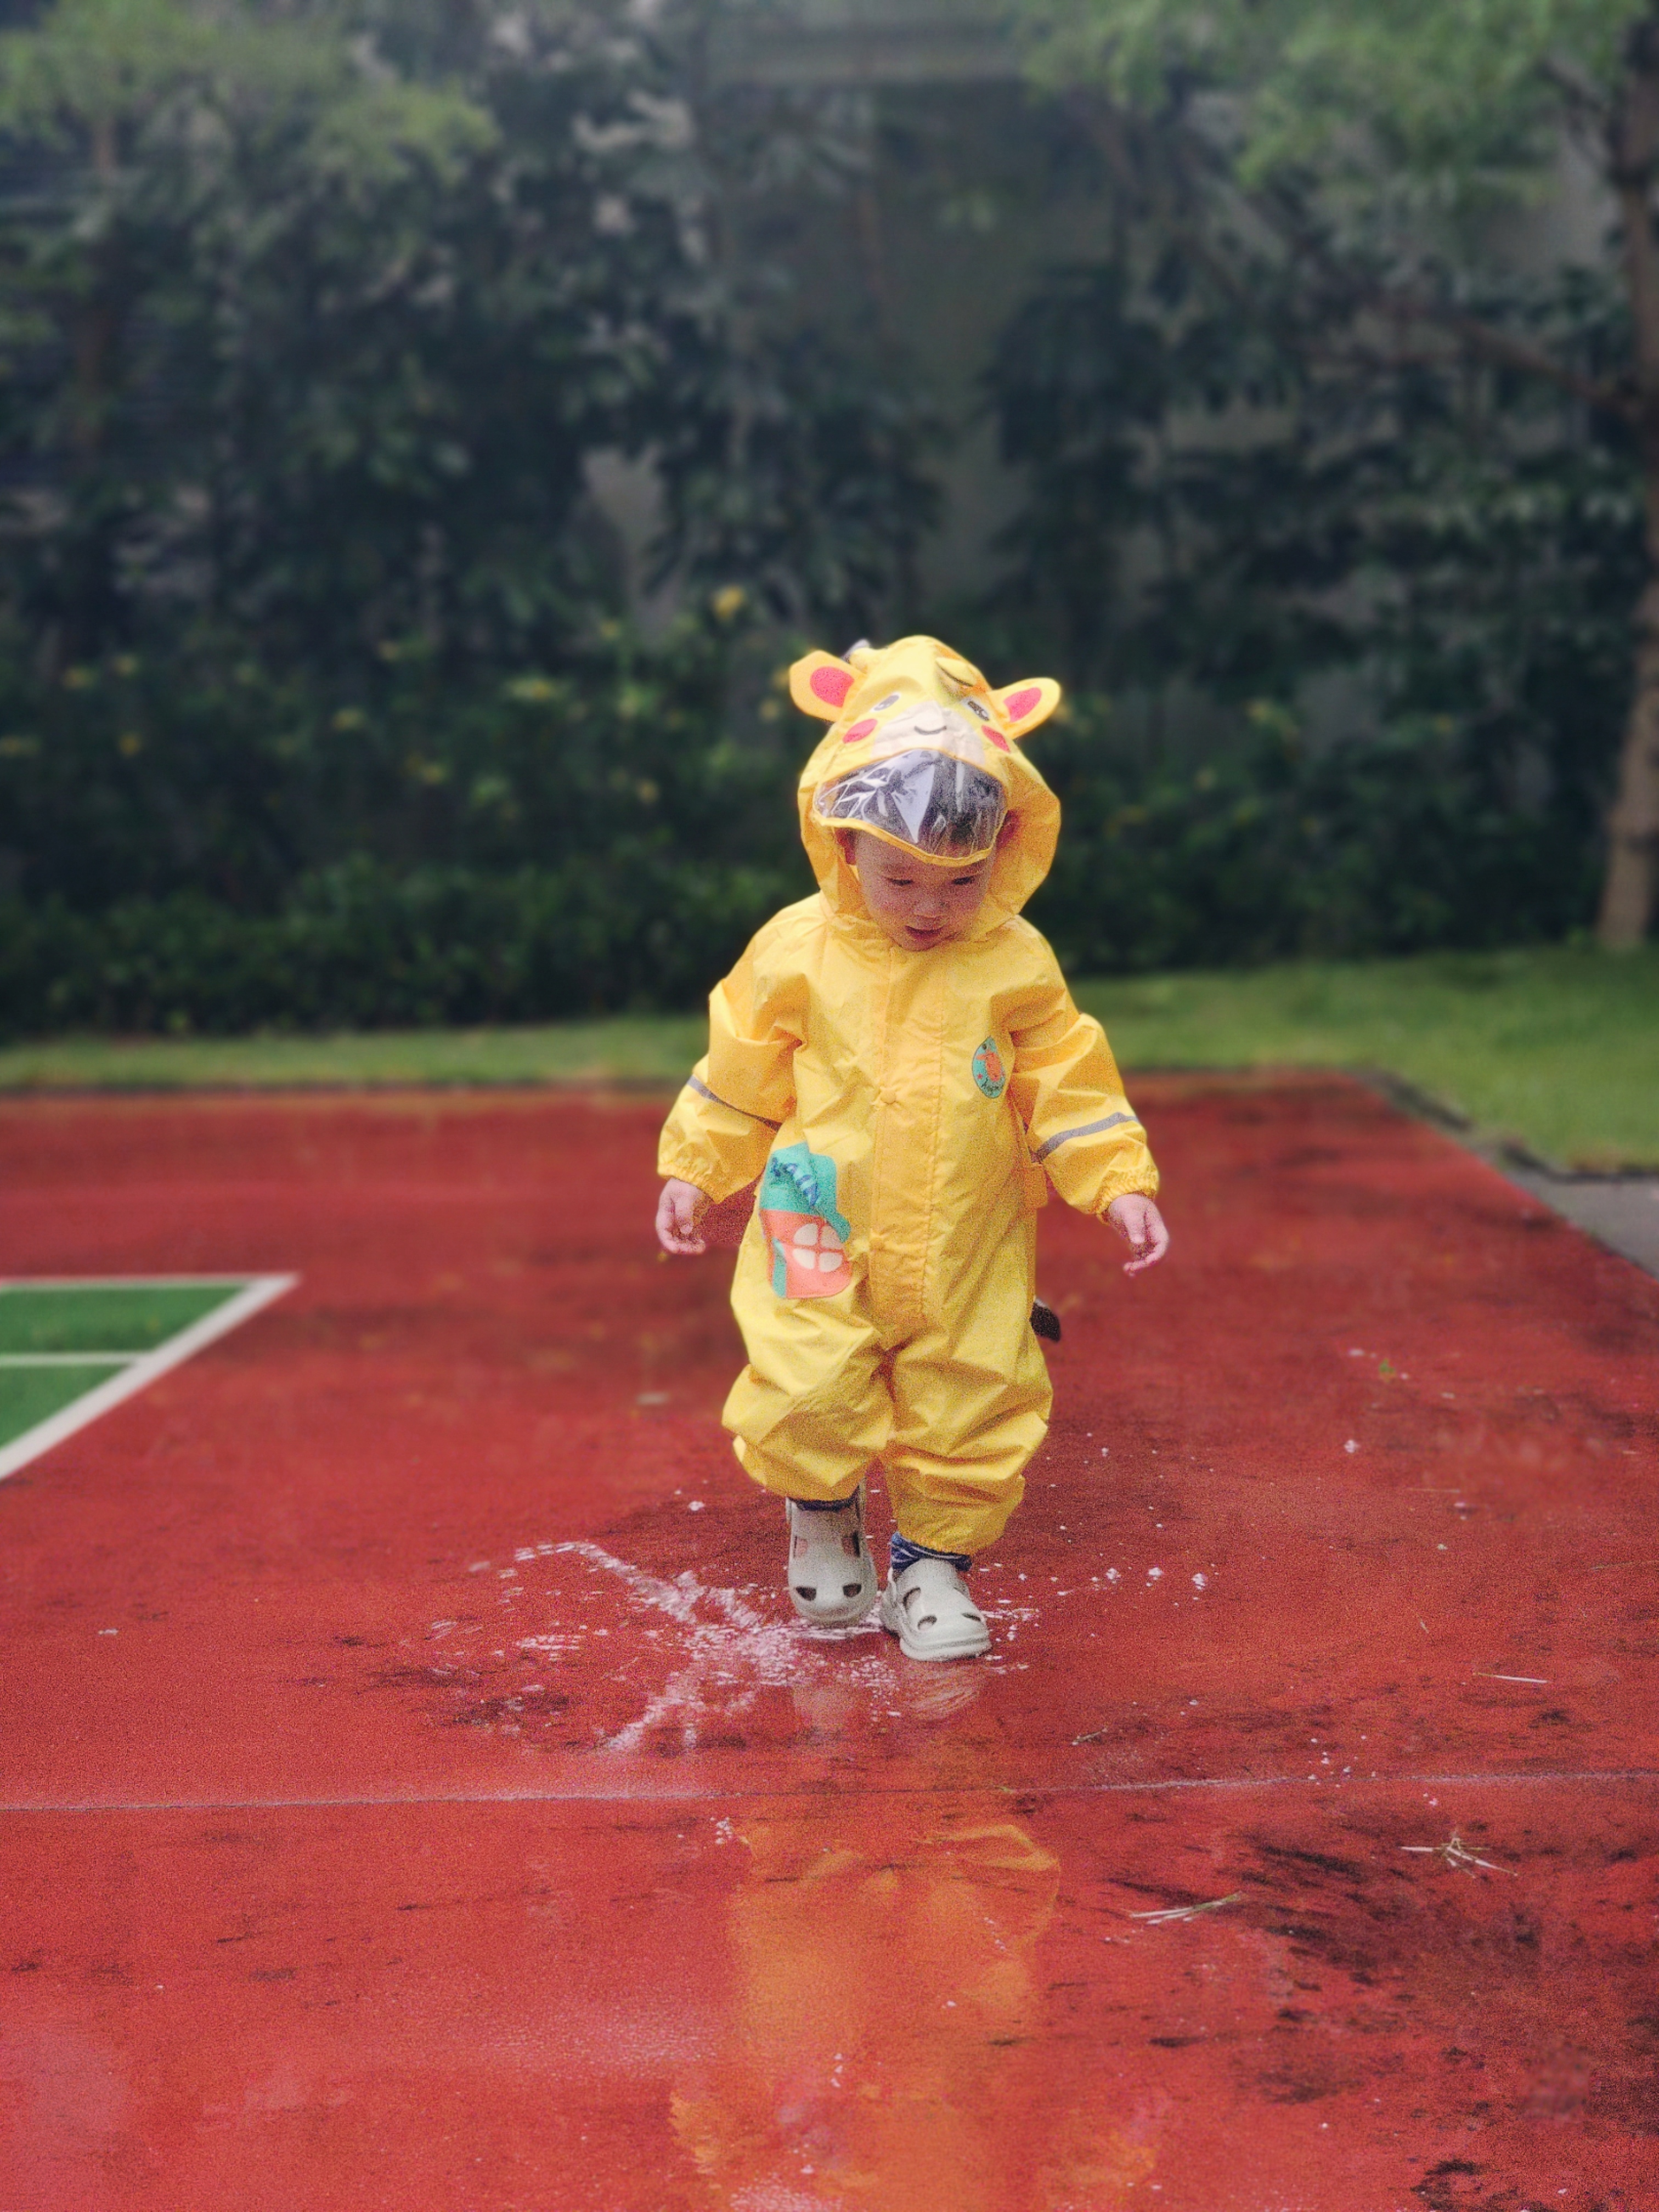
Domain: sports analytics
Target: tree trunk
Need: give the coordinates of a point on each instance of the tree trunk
(1627, 893)
(1628, 890)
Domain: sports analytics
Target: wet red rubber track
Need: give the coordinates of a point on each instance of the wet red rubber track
(455, 1821)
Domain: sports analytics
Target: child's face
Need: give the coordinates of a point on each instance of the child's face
(918, 904)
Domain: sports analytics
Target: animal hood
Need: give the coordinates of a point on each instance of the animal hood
(917, 697)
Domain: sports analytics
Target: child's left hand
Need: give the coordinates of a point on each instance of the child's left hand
(1138, 1222)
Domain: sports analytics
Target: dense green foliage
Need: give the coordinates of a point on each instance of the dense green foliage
(549, 844)
(1350, 177)
(145, 779)
(1309, 448)
(360, 944)
(1415, 116)
(318, 701)
(1392, 845)
(625, 864)
(307, 354)
(1217, 496)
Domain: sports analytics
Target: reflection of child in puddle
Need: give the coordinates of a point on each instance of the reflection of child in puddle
(887, 2043)
(898, 1061)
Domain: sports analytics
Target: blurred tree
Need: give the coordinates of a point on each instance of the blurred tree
(312, 350)
(805, 472)
(1367, 152)
(1213, 504)
(1224, 495)
(313, 319)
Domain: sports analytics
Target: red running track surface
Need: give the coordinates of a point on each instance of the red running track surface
(456, 1821)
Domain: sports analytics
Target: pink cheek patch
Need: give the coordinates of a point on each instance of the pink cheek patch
(1020, 703)
(997, 737)
(831, 684)
(859, 729)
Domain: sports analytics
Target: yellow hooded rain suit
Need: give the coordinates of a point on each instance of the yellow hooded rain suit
(904, 1112)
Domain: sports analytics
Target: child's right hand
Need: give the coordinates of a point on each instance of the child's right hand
(679, 1210)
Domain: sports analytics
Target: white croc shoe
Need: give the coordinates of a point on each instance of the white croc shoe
(832, 1577)
(928, 1608)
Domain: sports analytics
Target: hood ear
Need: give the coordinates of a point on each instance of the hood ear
(1027, 703)
(819, 685)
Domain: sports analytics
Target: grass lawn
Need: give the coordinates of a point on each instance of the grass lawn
(1553, 1048)
(654, 1048)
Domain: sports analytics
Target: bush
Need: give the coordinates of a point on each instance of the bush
(360, 945)
(1395, 844)
(1391, 847)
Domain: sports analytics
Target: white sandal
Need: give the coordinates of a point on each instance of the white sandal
(928, 1608)
(832, 1577)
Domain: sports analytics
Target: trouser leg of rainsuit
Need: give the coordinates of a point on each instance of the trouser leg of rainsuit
(970, 1396)
(954, 1410)
(812, 1409)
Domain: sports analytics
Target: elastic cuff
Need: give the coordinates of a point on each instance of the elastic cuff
(902, 1553)
(685, 1167)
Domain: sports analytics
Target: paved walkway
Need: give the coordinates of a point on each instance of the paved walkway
(1621, 1211)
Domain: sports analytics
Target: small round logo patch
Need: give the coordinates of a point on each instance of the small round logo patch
(989, 1072)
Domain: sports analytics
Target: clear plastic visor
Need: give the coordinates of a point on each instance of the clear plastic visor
(939, 806)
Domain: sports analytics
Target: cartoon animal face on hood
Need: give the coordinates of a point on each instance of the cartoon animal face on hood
(917, 733)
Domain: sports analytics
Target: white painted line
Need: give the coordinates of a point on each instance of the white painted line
(121, 1282)
(258, 1292)
(68, 1358)
(640, 1779)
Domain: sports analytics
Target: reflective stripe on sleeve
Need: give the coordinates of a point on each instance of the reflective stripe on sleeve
(714, 1099)
(1089, 1129)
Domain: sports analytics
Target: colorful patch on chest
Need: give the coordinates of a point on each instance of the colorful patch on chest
(805, 1231)
(990, 1072)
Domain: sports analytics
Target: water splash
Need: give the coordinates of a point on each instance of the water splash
(733, 1651)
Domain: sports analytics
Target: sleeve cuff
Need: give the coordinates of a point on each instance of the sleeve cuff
(1128, 1185)
(698, 1169)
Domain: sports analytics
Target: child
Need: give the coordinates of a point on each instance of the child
(899, 1061)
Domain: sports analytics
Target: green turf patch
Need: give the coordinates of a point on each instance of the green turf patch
(31, 1394)
(125, 1317)
(71, 1351)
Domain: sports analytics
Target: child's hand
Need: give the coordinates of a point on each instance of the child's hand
(679, 1210)
(1138, 1222)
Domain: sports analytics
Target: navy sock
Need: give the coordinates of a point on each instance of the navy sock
(822, 1504)
(902, 1553)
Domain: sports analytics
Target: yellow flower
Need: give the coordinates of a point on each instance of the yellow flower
(532, 690)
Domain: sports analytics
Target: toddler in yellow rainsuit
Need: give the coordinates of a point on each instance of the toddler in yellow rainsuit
(898, 1061)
